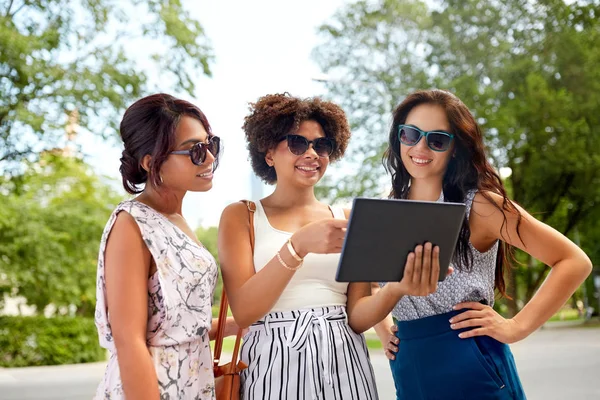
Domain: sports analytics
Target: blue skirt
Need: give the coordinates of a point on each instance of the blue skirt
(433, 363)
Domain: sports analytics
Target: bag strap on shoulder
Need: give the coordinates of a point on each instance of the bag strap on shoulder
(224, 307)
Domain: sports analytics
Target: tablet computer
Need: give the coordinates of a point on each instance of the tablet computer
(381, 233)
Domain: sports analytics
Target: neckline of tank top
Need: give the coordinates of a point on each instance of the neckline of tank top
(259, 204)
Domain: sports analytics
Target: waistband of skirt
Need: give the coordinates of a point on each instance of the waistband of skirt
(428, 326)
(284, 318)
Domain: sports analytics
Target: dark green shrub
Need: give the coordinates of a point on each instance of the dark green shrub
(31, 341)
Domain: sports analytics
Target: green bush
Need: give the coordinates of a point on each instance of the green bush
(32, 341)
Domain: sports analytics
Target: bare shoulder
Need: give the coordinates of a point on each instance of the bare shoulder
(234, 211)
(125, 229)
(234, 221)
(496, 217)
(488, 203)
(126, 254)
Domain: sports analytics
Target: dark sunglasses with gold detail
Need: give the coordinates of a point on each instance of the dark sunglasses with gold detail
(198, 151)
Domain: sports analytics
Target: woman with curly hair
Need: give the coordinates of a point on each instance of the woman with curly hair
(452, 344)
(299, 345)
(305, 339)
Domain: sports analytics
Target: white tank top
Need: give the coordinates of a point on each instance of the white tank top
(314, 284)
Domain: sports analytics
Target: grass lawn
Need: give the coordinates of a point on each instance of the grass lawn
(228, 344)
(566, 314)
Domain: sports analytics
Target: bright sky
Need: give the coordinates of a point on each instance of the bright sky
(260, 47)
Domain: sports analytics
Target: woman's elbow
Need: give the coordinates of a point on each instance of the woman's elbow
(579, 266)
(243, 319)
(357, 326)
(586, 266)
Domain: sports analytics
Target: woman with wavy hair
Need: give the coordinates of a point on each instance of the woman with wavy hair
(299, 344)
(451, 344)
(155, 281)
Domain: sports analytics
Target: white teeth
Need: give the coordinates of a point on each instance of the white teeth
(309, 169)
(205, 174)
(421, 160)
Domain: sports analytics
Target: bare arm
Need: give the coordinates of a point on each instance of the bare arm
(385, 331)
(253, 294)
(421, 271)
(127, 265)
(231, 328)
(366, 310)
(570, 265)
(383, 328)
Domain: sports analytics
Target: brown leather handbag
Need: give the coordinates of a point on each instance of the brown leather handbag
(227, 377)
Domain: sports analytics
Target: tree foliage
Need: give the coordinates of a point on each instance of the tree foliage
(57, 56)
(51, 221)
(208, 238)
(527, 70)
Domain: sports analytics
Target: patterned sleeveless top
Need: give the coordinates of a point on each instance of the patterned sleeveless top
(474, 285)
(179, 309)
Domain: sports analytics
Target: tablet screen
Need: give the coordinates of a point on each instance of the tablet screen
(381, 233)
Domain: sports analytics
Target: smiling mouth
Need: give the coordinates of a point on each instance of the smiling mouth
(420, 161)
(205, 174)
(308, 169)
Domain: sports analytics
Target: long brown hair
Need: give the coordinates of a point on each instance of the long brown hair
(467, 170)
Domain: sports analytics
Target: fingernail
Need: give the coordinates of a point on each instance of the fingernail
(455, 308)
(453, 326)
(461, 335)
(451, 320)
(393, 358)
(396, 341)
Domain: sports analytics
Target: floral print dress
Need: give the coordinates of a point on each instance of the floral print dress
(179, 309)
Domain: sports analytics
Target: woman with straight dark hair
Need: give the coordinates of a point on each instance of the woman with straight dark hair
(451, 344)
(155, 280)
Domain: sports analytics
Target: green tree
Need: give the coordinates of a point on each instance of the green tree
(373, 54)
(51, 221)
(526, 70)
(208, 237)
(57, 56)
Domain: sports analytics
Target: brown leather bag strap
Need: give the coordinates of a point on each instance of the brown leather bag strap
(221, 327)
(251, 210)
(225, 306)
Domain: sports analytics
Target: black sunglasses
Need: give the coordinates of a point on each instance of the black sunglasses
(410, 135)
(298, 145)
(198, 151)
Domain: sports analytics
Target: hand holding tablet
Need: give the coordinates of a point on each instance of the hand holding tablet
(421, 272)
(382, 234)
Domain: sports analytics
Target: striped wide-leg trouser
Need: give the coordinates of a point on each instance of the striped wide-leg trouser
(307, 354)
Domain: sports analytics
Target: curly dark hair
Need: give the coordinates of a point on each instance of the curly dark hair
(276, 115)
